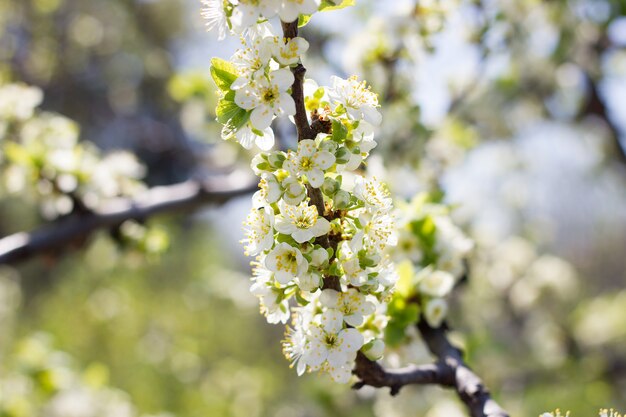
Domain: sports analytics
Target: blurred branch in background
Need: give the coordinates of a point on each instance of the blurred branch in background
(73, 229)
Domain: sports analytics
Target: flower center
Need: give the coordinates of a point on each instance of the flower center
(330, 340)
(290, 258)
(269, 95)
(306, 163)
(304, 222)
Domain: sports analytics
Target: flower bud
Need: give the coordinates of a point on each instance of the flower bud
(276, 159)
(374, 350)
(294, 191)
(341, 200)
(328, 145)
(342, 155)
(330, 186)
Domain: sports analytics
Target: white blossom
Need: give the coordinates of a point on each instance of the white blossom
(252, 60)
(302, 222)
(19, 101)
(352, 305)
(378, 229)
(247, 137)
(288, 52)
(269, 191)
(357, 98)
(435, 311)
(275, 311)
(215, 15)
(436, 283)
(373, 193)
(342, 373)
(286, 262)
(294, 191)
(295, 339)
(374, 350)
(354, 274)
(247, 12)
(330, 342)
(309, 161)
(310, 281)
(291, 9)
(267, 97)
(319, 257)
(259, 232)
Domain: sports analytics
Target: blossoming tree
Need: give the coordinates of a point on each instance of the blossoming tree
(351, 270)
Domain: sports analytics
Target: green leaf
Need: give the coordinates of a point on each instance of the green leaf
(394, 334)
(335, 5)
(229, 113)
(303, 20)
(223, 73)
(326, 5)
(340, 132)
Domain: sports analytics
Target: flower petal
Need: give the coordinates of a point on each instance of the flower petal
(261, 117)
(324, 160)
(265, 142)
(332, 321)
(282, 78)
(351, 340)
(330, 298)
(316, 177)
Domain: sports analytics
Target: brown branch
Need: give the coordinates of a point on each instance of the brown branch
(373, 374)
(290, 31)
(596, 106)
(449, 371)
(304, 130)
(185, 196)
(468, 385)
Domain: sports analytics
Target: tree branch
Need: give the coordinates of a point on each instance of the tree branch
(185, 196)
(468, 385)
(449, 371)
(290, 31)
(596, 106)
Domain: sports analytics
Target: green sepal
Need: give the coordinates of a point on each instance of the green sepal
(301, 300)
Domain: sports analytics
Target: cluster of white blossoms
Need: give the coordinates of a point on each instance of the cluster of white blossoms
(602, 413)
(241, 16)
(67, 392)
(431, 244)
(318, 231)
(42, 158)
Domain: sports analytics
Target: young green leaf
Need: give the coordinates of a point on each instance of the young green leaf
(223, 73)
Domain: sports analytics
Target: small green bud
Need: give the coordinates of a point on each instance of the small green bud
(329, 146)
(330, 186)
(276, 159)
(341, 200)
(343, 155)
(374, 350)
